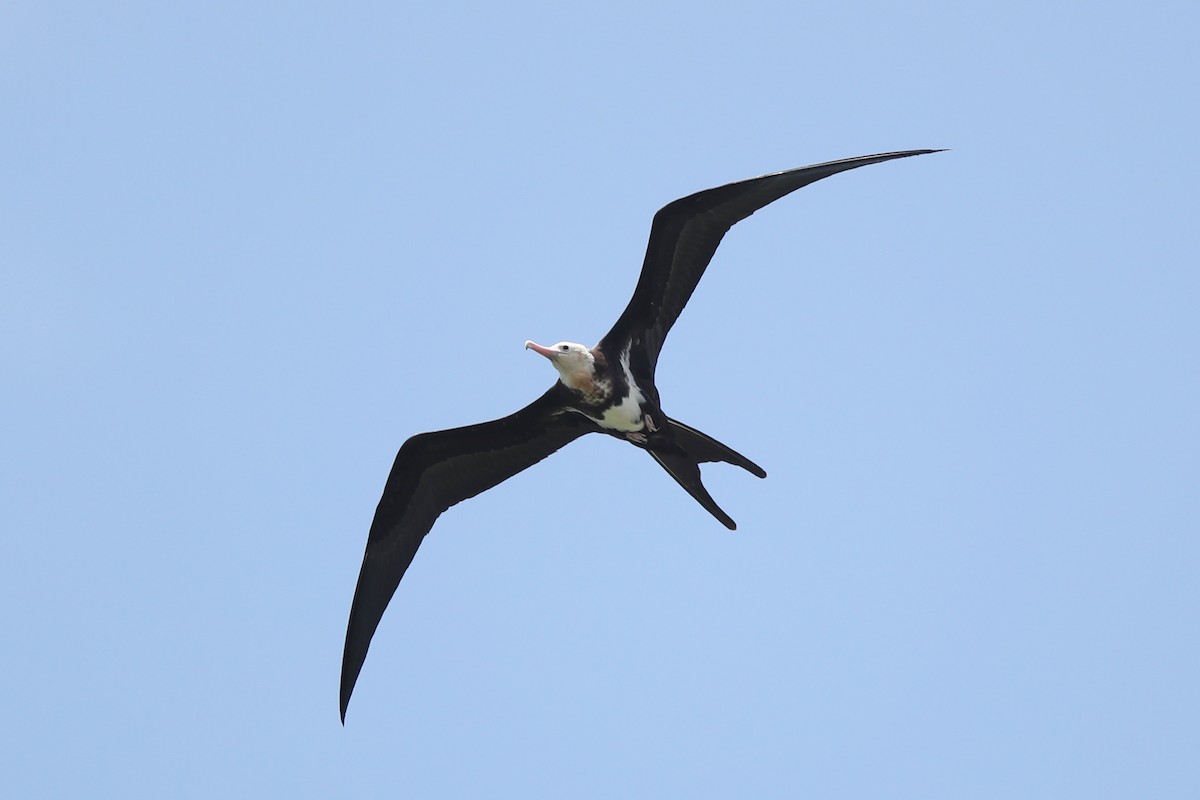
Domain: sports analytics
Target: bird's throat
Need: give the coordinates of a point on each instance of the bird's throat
(580, 380)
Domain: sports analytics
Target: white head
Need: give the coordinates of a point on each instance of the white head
(574, 362)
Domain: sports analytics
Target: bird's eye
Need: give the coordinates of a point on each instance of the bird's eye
(563, 347)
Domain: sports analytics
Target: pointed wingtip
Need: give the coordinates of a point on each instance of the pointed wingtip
(344, 699)
(347, 689)
(923, 152)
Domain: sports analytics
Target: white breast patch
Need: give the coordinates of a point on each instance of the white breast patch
(626, 416)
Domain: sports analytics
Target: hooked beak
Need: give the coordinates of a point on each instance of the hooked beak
(548, 352)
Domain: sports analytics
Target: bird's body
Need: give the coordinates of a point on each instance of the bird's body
(601, 384)
(608, 388)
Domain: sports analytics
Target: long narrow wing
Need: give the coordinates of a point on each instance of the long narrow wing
(684, 236)
(432, 472)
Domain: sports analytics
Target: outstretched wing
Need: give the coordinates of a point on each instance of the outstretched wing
(684, 236)
(432, 472)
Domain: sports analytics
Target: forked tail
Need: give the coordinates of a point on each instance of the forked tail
(682, 462)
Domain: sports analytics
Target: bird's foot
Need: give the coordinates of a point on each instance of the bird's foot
(635, 437)
(650, 426)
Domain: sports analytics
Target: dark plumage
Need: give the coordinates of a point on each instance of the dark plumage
(606, 389)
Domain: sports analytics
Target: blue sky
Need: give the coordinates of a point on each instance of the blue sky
(247, 249)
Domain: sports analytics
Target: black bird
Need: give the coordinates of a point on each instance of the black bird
(608, 388)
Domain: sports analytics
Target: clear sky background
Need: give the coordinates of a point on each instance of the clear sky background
(246, 249)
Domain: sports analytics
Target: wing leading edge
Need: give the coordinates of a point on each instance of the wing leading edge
(684, 236)
(432, 472)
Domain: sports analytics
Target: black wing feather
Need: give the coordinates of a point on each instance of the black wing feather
(432, 472)
(684, 236)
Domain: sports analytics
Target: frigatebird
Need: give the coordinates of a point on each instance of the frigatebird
(608, 389)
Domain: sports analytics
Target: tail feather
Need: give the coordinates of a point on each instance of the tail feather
(686, 472)
(703, 447)
(681, 455)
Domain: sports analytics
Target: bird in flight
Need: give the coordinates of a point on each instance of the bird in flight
(607, 389)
